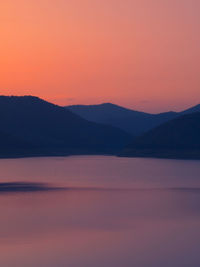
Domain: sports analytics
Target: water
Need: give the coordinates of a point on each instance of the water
(118, 212)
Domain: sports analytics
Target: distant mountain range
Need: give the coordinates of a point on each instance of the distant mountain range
(178, 138)
(32, 126)
(131, 121)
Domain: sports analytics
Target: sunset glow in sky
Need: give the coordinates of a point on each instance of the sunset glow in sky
(144, 54)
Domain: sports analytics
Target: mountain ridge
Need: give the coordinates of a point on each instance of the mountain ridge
(178, 138)
(51, 129)
(131, 121)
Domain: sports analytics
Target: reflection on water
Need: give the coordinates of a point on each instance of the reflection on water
(132, 212)
(23, 187)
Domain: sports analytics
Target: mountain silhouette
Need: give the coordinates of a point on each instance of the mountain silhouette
(178, 138)
(12, 145)
(191, 110)
(131, 121)
(44, 128)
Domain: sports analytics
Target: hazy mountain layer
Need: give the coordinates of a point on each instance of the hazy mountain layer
(179, 138)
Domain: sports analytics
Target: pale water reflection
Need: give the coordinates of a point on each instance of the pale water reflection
(154, 223)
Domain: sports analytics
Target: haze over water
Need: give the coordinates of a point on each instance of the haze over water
(132, 212)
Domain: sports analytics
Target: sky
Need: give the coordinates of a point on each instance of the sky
(142, 54)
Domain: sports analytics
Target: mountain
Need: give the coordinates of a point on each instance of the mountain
(131, 121)
(12, 145)
(50, 129)
(191, 110)
(178, 138)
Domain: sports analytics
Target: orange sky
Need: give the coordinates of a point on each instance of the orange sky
(144, 54)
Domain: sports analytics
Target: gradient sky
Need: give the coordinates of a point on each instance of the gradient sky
(144, 54)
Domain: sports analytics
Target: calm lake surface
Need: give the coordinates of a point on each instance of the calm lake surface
(117, 212)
